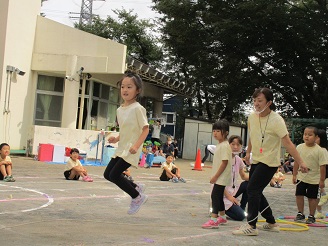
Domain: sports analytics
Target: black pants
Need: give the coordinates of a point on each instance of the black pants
(207, 153)
(242, 191)
(114, 173)
(259, 177)
(164, 176)
(217, 198)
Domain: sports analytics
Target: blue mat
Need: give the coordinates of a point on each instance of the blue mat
(88, 163)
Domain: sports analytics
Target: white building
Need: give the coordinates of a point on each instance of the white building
(58, 84)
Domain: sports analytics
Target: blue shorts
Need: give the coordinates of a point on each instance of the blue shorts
(309, 190)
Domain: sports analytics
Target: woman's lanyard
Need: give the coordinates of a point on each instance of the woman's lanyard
(233, 174)
(263, 133)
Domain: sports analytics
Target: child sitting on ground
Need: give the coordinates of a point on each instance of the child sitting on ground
(5, 163)
(74, 168)
(277, 179)
(170, 171)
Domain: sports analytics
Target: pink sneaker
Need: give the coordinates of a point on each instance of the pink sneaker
(222, 221)
(87, 179)
(211, 225)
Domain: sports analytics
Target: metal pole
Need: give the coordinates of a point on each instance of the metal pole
(82, 101)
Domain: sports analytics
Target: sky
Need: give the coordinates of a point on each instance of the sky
(59, 10)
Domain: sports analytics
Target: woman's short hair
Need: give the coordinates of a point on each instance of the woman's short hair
(268, 94)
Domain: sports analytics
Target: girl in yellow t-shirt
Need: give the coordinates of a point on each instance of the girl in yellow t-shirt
(221, 174)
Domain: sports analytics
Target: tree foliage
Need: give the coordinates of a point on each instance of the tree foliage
(225, 49)
(137, 34)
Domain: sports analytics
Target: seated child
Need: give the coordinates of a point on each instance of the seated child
(277, 179)
(74, 168)
(5, 163)
(170, 171)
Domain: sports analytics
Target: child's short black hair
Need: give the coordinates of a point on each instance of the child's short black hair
(167, 155)
(223, 126)
(315, 130)
(322, 134)
(3, 145)
(74, 150)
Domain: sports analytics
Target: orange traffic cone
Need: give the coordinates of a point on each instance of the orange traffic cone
(198, 162)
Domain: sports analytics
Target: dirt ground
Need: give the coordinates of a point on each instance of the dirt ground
(42, 208)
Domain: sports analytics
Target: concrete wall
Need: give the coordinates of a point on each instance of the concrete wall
(60, 48)
(198, 133)
(3, 29)
(86, 140)
(18, 21)
(38, 45)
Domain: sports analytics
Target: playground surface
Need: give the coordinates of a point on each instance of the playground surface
(42, 208)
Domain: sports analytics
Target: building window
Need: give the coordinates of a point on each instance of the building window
(100, 104)
(49, 101)
(170, 118)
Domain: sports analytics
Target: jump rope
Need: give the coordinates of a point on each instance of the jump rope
(269, 204)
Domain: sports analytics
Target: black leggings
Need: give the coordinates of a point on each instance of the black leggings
(207, 153)
(217, 198)
(114, 173)
(242, 191)
(259, 177)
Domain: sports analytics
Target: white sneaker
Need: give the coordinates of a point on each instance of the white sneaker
(136, 203)
(269, 227)
(246, 230)
(140, 188)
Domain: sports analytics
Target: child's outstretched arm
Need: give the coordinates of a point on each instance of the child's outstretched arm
(134, 148)
(230, 197)
(221, 169)
(294, 153)
(322, 176)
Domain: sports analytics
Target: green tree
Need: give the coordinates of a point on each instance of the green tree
(137, 34)
(225, 49)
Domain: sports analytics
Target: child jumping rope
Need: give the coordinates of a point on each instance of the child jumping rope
(221, 174)
(132, 120)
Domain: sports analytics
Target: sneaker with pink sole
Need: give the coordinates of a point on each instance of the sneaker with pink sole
(211, 224)
(87, 179)
(222, 221)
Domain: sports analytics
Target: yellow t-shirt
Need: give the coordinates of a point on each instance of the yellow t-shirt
(6, 159)
(170, 166)
(131, 120)
(313, 157)
(273, 130)
(223, 152)
(325, 152)
(70, 164)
